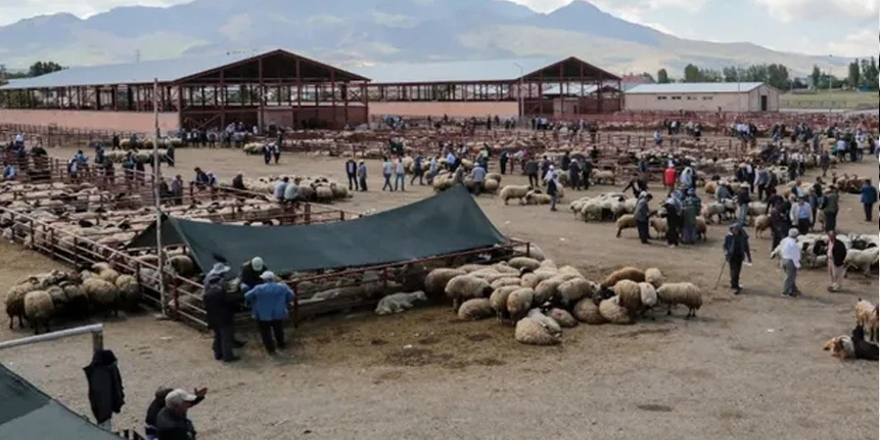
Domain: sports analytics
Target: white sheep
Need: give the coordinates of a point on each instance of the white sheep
(535, 332)
(562, 317)
(534, 278)
(475, 309)
(498, 300)
(536, 253)
(514, 192)
(129, 291)
(547, 290)
(866, 316)
(38, 309)
(15, 299)
(524, 263)
(465, 287)
(506, 281)
(625, 273)
(630, 296)
(437, 279)
(103, 294)
(687, 294)
(399, 302)
(519, 302)
(573, 290)
(587, 311)
(613, 312)
(547, 321)
(862, 260)
(626, 221)
(654, 277)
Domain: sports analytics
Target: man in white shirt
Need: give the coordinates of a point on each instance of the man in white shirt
(791, 263)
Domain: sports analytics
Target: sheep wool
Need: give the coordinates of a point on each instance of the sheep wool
(101, 292)
(630, 295)
(648, 295)
(475, 310)
(59, 298)
(536, 253)
(547, 290)
(654, 277)
(562, 317)
(498, 299)
(514, 192)
(524, 262)
(588, 312)
(626, 221)
(613, 312)
(506, 281)
(533, 332)
(465, 287)
(573, 290)
(399, 302)
(519, 302)
(108, 275)
(506, 268)
(472, 267)
(686, 294)
(536, 277)
(15, 299)
(182, 264)
(437, 279)
(626, 273)
(548, 322)
(38, 309)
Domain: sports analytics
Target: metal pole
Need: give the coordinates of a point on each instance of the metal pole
(157, 200)
(97, 331)
(519, 94)
(830, 80)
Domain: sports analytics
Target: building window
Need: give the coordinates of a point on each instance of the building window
(661, 98)
(691, 98)
(676, 98)
(707, 98)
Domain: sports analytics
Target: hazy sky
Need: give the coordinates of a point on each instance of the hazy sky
(839, 27)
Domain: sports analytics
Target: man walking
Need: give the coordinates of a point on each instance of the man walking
(362, 175)
(736, 250)
(532, 171)
(220, 308)
(791, 263)
(836, 257)
(387, 168)
(830, 208)
(869, 199)
(400, 175)
(351, 173)
(268, 303)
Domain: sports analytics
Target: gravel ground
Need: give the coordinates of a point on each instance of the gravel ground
(750, 366)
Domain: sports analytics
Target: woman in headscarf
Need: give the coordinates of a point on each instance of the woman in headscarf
(673, 218)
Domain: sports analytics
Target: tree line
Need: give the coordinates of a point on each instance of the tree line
(861, 74)
(37, 69)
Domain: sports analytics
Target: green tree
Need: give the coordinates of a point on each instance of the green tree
(778, 77)
(692, 74)
(816, 76)
(662, 76)
(44, 67)
(854, 75)
(869, 73)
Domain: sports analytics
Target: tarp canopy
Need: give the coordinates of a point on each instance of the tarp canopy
(27, 413)
(446, 223)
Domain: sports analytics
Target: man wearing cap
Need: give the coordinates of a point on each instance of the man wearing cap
(220, 307)
(158, 404)
(791, 263)
(250, 274)
(171, 422)
(736, 250)
(269, 302)
(642, 215)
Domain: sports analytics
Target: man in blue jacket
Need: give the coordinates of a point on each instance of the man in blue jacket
(869, 199)
(268, 303)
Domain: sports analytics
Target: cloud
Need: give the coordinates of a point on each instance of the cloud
(820, 10)
(857, 44)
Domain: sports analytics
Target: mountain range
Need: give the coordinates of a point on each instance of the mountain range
(350, 32)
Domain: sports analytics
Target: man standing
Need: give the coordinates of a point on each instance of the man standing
(587, 173)
(269, 302)
(762, 179)
(399, 175)
(387, 169)
(743, 198)
(531, 168)
(220, 308)
(574, 174)
(362, 175)
(351, 172)
(158, 404)
(779, 225)
(478, 176)
(642, 215)
(106, 394)
(802, 216)
(836, 257)
(418, 171)
(736, 250)
(791, 263)
(869, 199)
(171, 422)
(502, 161)
(692, 207)
(250, 274)
(830, 208)
(552, 187)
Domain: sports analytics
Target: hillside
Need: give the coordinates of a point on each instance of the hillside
(351, 31)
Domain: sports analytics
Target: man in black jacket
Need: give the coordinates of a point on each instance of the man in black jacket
(158, 404)
(250, 274)
(220, 307)
(836, 257)
(106, 394)
(171, 422)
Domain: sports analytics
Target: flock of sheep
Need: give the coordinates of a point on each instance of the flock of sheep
(539, 298)
(862, 251)
(313, 188)
(861, 343)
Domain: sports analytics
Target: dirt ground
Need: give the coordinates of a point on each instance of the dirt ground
(749, 367)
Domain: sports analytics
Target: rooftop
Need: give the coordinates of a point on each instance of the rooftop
(503, 70)
(712, 87)
(145, 72)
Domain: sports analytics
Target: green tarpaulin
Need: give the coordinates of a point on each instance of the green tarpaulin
(28, 414)
(446, 223)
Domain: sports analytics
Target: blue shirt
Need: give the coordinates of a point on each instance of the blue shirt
(9, 172)
(478, 174)
(269, 301)
(869, 194)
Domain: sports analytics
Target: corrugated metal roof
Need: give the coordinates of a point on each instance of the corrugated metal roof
(719, 87)
(453, 71)
(128, 73)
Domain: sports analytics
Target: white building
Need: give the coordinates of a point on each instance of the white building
(703, 97)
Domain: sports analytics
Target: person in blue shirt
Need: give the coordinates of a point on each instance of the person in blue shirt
(869, 199)
(8, 172)
(268, 302)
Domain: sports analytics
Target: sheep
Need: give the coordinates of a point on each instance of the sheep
(182, 265)
(862, 260)
(38, 309)
(626, 221)
(604, 177)
(77, 300)
(562, 317)
(841, 347)
(535, 252)
(717, 209)
(491, 186)
(475, 310)
(102, 294)
(519, 302)
(535, 332)
(648, 295)
(569, 272)
(108, 275)
(573, 290)
(535, 197)
(866, 316)
(630, 296)
(549, 322)
(687, 294)
(437, 279)
(626, 273)
(129, 291)
(533, 279)
(506, 269)
(514, 192)
(549, 264)
(654, 277)
(15, 300)
(59, 298)
(524, 262)
(498, 300)
(465, 287)
(323, 194)
(547, 290)
(659, 225)
(399, 302)
(470, 268)
(506, 281)
(588, 312)
(762, 223)
(613, 312)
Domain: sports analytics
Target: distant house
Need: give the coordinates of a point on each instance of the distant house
(703, 97)
(628, 82)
